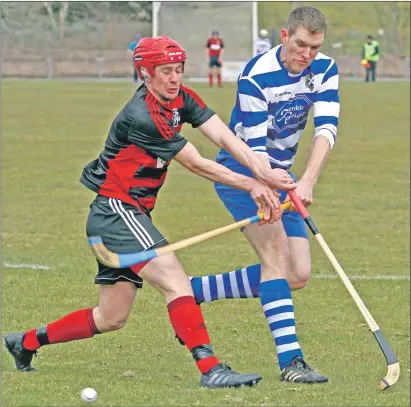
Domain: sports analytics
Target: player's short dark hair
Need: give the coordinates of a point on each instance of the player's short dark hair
(370, 37)
(308, 17)
(214, 32)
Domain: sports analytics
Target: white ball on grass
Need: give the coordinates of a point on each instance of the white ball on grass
(88, 394)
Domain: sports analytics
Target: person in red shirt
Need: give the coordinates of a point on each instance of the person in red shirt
(126, 178)
(214, 57)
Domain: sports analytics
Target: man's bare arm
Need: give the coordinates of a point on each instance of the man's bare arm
(320, 150)
(264, 197)
(216, 130)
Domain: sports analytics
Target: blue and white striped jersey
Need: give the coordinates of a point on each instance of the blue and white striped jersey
(272, 105)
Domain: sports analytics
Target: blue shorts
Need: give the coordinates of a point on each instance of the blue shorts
(241, 205)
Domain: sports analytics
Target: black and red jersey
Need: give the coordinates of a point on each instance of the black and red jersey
(143, 139)
(214, 45)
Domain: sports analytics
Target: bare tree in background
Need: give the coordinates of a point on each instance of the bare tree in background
(62, 9)
(46, 26)
(51, 15)
(63, 14)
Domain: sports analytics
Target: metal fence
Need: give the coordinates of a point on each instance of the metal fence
(117, 65)
(92, 40)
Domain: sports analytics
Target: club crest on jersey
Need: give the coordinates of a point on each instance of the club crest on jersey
(176, 118)
(309, 81)
(161, 163)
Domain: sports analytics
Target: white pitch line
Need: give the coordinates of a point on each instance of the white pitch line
(317, 276)
(359, 277)
(26, 266)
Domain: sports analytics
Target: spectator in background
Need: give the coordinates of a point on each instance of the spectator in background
(214, 57)
(370, 57)
(130, 51)
(263, 43)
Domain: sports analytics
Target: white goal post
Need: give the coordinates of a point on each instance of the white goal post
(191, 23)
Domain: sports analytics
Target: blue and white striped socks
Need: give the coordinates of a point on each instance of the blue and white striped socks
(278, 309)
(242, 283)
(275, 297)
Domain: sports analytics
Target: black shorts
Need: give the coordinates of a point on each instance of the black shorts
(214, 63)
(124, 229)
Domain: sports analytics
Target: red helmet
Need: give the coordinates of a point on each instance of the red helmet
(150, 52)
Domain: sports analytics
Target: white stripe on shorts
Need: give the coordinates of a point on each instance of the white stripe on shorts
(138, 225)
(136, 233)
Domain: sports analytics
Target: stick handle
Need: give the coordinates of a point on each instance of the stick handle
(298, 204)
(208, 235)
(310, 223)
(213, 233)
(130, 259)
(348, 285)
(393, 373)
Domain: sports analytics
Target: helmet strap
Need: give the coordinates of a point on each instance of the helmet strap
(145, 74)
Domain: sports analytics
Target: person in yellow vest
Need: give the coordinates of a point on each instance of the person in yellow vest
(370, 57)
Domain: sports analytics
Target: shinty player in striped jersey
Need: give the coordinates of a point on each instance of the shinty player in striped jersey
(276, 90)
(126, 177)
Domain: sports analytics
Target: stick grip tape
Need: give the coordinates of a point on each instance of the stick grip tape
(385, 347)
(130, 259)
(298, 204)
(303, 212)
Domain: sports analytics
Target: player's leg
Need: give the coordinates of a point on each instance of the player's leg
(245, 282)
(298, 273)
(218, 70)
(271, 245)
(167, 276)
(111, 314)
(367, 74)
(134, 231)
(241, 283)
(210, 71)
(119, 288)
(130, 231)
(300, 259)
(114, 307)
(373, 68)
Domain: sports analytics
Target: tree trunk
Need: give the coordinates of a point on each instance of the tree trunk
(63, 15)
(50, 13)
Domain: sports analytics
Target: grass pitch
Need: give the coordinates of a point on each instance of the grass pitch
(50, 130)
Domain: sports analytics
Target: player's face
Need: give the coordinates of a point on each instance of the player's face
(166, 81)
(300, 49)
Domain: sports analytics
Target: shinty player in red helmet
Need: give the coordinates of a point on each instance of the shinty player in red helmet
(143, 139)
